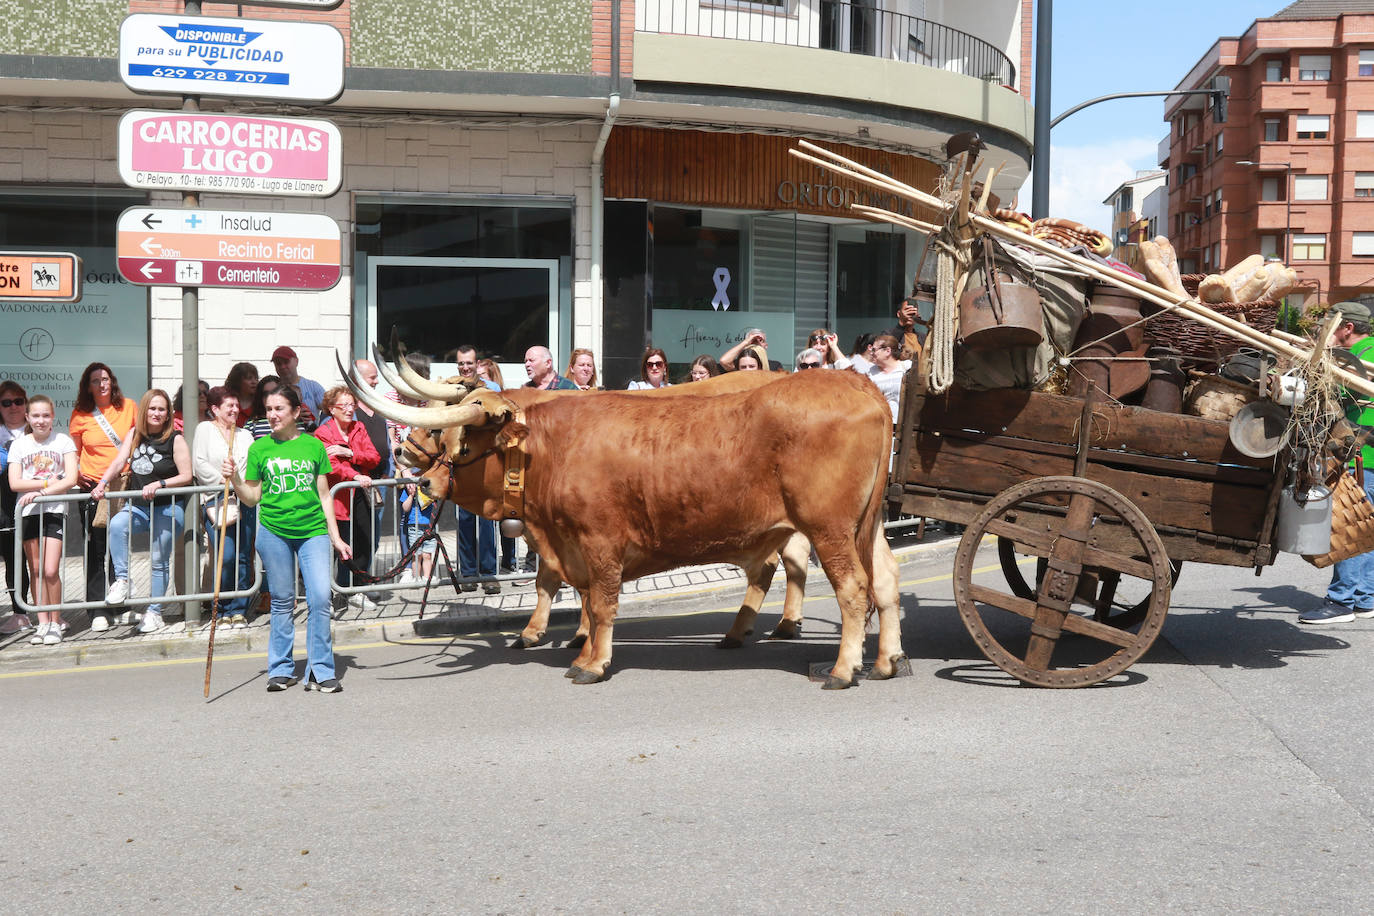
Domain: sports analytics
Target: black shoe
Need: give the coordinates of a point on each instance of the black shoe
(468, 586)
(277, 684)
(1329, 612)
(330, 686)
(491, 588)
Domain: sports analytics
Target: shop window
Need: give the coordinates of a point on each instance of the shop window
(1273, 70)
(1313, 127)
(1362, 244)
(1314, 66)
(1309, 187)
(1309, 246)
(1366, 65)
(1364, 124)
(1273, 130)
(690, 247)
(1364, 184)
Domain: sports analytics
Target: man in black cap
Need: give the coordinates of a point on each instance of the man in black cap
(1351, 593)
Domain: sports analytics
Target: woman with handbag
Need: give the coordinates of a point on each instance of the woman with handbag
(158, 458)
(100, 422)
(219, 439)
(285, 477)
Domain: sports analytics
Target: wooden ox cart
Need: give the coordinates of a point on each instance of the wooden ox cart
(1093, 506)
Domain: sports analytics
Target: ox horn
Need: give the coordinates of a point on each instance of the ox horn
(422, 417)
(428, 390)
(392, 378)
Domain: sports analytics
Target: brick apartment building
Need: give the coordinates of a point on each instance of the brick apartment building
(1290, 174)
(581, 173)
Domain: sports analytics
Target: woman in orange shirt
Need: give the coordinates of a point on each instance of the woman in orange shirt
(100, 421)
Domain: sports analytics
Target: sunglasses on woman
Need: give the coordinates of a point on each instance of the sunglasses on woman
(12, 402)
(809, 366)
(654, 364)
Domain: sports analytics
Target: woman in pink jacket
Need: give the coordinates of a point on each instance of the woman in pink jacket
(351, 455)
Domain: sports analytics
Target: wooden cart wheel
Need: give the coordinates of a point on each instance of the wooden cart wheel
(1074, 542)
(1109, 604)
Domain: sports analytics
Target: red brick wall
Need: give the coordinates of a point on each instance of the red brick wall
(340, 17)
(1023, 70)
(601, 36)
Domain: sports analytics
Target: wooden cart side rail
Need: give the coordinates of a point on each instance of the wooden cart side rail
(1181, 544)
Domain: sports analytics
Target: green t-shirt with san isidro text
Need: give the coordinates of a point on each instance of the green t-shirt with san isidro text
(290, 505)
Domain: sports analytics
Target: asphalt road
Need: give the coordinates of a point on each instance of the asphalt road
(1227, 770)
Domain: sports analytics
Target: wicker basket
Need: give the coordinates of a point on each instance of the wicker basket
(1216, 398)
(1199, 345)
(1352, 523)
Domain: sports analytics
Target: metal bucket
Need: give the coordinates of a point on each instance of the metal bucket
(1304, 525)
(1001, 314)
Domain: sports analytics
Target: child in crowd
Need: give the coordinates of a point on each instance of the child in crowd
(42, 462)
(418, 509)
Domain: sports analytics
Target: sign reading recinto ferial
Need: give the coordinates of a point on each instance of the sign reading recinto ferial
(230, 154)
(228, 248)
(205, 55)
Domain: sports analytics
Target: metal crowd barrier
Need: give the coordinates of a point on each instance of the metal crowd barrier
(446, 526)
(189, 532)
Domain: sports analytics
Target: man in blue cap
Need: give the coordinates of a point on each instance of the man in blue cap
(1351, 592)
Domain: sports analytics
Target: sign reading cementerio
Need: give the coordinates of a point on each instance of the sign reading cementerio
(230, 154)
(206, 55)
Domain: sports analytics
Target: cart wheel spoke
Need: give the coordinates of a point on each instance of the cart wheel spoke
(1085, 551)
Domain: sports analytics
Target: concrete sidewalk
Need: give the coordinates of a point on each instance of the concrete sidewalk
(398, 615)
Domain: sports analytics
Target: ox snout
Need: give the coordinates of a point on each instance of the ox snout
(423, 483)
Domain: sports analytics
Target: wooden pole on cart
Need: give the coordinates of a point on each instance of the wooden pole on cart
(219, 568)
(1146, 290)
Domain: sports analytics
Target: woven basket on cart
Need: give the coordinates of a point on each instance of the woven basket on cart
(1352, 523)
(1201, 346)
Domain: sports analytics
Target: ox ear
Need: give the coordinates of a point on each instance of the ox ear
(512, 434)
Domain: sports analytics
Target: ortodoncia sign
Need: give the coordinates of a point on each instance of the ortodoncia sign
(228, 248)
(229, 154)
(206, 55)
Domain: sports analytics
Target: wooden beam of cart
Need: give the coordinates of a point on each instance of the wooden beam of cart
(827, 159)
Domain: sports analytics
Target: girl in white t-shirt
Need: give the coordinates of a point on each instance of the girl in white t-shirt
(42, 463)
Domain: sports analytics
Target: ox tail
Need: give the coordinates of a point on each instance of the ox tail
(870, 522)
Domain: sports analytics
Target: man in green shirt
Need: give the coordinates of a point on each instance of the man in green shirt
(1351, 593)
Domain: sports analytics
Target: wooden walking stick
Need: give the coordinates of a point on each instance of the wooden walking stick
(219, 568)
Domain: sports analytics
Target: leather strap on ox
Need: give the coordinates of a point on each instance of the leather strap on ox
(513, 489)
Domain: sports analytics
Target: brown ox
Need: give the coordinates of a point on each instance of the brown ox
(618, 487)
(422, 446)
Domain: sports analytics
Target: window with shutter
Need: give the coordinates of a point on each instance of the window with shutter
(1309, 187)
(1364, 184)
(1314, 66)
(1362, 244)
(1366, 64)
(1309, 246)
(1313, 127)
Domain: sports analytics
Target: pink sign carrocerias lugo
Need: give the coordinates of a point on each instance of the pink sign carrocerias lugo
(231, 154)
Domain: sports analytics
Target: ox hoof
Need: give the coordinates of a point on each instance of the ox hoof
(898, 666)
(835, 683)
(730, 642)
(526, 642)
(786, 629)
(573, 671)
(584, 676)
(577, 642)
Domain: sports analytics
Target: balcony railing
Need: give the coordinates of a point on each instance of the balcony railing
(856, 28)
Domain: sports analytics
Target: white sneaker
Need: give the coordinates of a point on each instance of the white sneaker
(152, 622)
(408, 577)
(15, 623)
(53, 636)
(118, 593)
(100, 623)
(62, 627)
(38, 634)
(362, 603)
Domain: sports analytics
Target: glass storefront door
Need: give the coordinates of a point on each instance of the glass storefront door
(501, 306)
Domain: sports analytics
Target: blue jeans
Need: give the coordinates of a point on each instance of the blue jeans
(476, 535)
(236, 574)
(1352, 580)
(168, 517)
(313, 554)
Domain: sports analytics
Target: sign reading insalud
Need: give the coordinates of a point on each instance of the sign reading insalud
(231, 154)
(206, 55)
(228, 248)
(52, 276)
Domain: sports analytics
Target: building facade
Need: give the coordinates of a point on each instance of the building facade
(1136, 211)
(578, 173)
(1290, 173)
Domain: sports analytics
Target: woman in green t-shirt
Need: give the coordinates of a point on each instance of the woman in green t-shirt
(284, 477)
